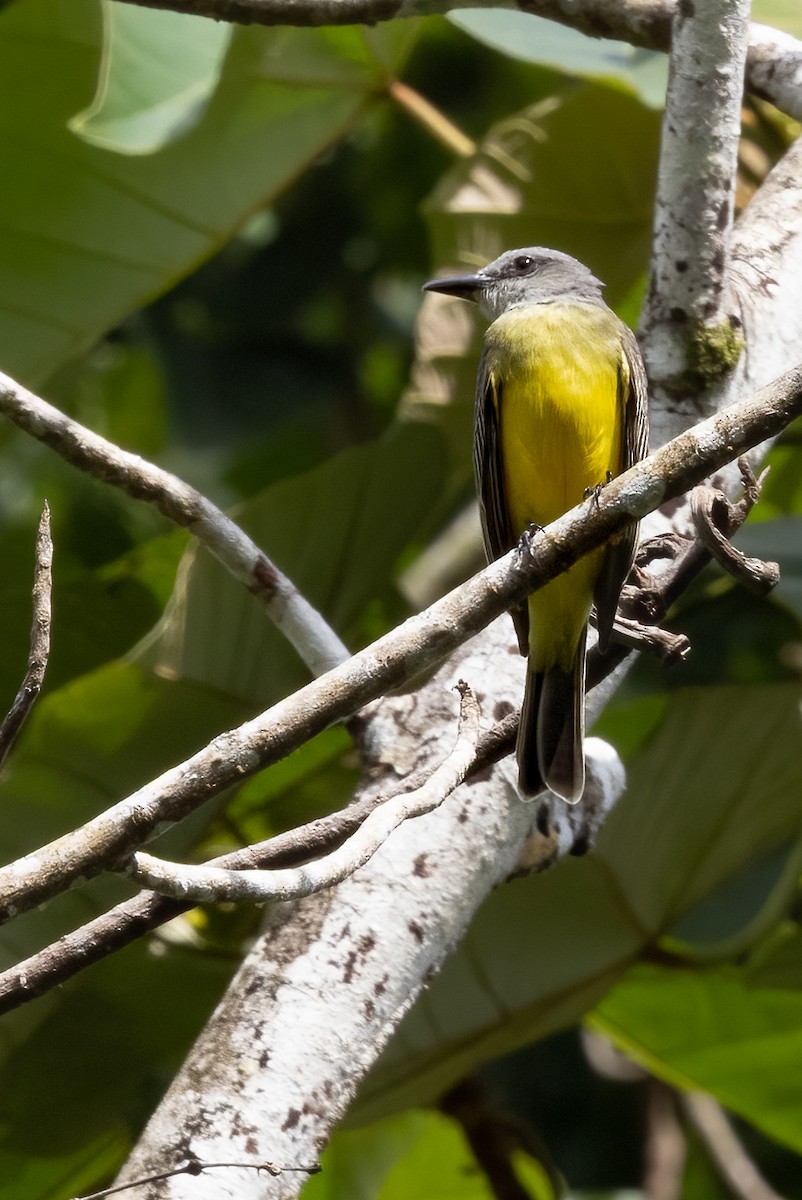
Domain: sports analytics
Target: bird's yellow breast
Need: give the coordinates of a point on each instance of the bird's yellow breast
(557, 369)
(560, 419)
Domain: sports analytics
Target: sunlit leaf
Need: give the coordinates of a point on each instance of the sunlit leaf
(157, 71)
(712, 1031)
(416, 1154)
(537, 40)
(337, 531)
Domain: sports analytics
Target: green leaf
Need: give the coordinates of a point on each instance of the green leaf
(98, 1063)
(779, 965)
(84, 747)
(416, 1154)
(157, 71)
(779, 541)
(27, 1176)
(87, 236)
(537, 40)
(782, 14)
(692, 819)
(337, 531)
(711, 1030)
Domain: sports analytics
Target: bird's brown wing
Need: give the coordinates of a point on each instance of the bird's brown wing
(633, 395)
(499, 537)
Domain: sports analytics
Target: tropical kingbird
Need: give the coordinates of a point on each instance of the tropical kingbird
(561, 407)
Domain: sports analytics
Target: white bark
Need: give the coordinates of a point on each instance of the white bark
(694, 206)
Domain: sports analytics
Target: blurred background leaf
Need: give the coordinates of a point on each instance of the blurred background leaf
(156, 74)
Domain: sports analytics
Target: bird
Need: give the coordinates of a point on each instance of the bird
(561, 407)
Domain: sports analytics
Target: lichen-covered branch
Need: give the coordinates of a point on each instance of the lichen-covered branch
(687, 339)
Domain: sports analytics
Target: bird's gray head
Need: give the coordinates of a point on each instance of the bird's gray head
(529, 276)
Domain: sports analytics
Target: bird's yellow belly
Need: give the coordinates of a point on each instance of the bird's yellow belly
(560, 428)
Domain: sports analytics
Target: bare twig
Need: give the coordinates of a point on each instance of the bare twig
(726, 1149)
(708, 507)
(316, 643)
(669, 647)
(399, 656)
(126, 922)
(432, 120)
(666, 1149)
(39, 652)
(194, 1167)
(204, 883)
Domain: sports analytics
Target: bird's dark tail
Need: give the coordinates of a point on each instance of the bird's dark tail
(550, 747)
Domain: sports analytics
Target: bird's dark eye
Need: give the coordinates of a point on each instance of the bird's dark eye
(523, 263)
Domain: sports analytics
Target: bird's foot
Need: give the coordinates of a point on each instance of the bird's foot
(593, 493)
(526, 540)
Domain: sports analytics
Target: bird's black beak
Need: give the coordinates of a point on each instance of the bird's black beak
(466, 287)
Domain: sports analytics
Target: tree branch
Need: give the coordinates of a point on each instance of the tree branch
(685, 337)
(400, 655)
(316, 643)
(732, 1162)
(206, 883)
(643, 22)
(39, 652)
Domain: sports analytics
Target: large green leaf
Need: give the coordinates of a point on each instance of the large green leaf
(97, 1064)
(87, 745)
(718, 783)
(338, 531)
(416, 1154)
(537, 40)
(713, 1030)
(87, 235)
(779, 540)
(157, 71)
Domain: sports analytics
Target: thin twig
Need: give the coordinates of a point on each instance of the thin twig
(401, 655)
(432, 120)
(194, 1167)
(39, 652)
(204, 883)
(709, 510)
(316, 643)
(669, 647)
(726, 1149)
(666, 1148)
